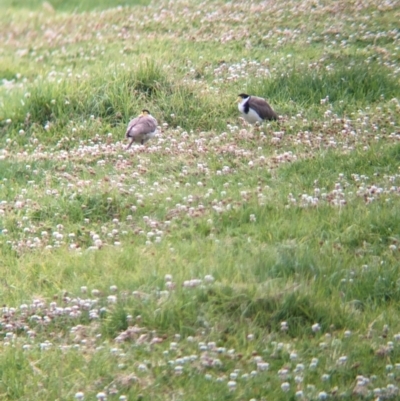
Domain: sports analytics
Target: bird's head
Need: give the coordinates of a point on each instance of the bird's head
(241, 97)
(145, 112)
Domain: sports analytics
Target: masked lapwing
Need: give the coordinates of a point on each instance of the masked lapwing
(141, 128)
(255, 109)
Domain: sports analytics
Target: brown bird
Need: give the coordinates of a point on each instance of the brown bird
(255, 109)
(141, 128)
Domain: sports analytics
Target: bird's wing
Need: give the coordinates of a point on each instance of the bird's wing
(141, 125)
(263, 109)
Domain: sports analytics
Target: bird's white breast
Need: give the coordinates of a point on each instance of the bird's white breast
(149, 135)
(251, 117)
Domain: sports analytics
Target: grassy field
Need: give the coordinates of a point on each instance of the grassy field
(220, 261)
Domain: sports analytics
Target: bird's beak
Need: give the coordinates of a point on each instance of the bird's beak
(238, 100)
(129, 145)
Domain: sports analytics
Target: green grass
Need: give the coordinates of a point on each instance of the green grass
(70, 6)
(180, 269)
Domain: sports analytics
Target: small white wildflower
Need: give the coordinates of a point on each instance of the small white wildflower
(377, 391)
(316, 327)
(262, 366)
(112, 299)
(142, 367)
(232, 385)
(178, 370)
(285, 386)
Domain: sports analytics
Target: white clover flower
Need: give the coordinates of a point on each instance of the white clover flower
(377, 391)
(285, 386)
(299, 368)
(216, 362)
(178, 370)
(211, 345)
(232, 385)
(283, 374)
(262, 366)
(142, 367)
(316, 327)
